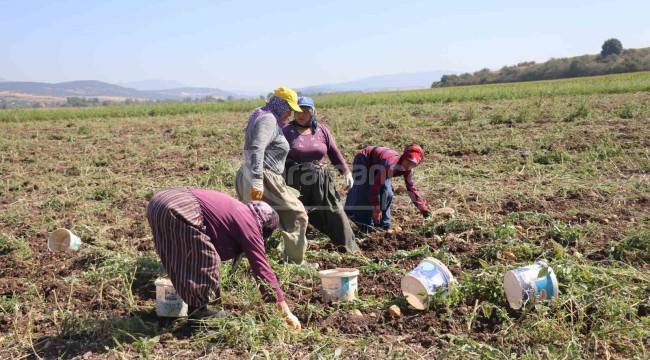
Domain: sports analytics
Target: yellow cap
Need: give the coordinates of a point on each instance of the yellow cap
(289, 95)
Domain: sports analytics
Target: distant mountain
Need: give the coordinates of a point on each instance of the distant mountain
(146, 85)
(197, 93)
(157, 89)
(414, 80)
(92, 88)
(3, 80)
(73, 88)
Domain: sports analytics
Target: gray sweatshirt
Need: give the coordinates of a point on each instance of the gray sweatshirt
(265, 146)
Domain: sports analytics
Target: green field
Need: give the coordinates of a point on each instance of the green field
(558, 170)
(610, 84)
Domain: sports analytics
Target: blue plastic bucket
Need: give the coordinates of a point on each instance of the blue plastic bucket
(429, 277)
(524, 284)
(339, 284)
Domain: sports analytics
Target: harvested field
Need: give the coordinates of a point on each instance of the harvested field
(561, 177)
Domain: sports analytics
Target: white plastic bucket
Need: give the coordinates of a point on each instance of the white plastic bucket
(429, 277)
(168, 302)
(339, 284)
(63, 240)
(524, 283)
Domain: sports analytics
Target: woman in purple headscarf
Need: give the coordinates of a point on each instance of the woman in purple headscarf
(195, 230)
(261, 176)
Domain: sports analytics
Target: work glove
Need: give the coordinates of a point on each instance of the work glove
(257, 191)
(349, 181)
(292, 320)
(426, 214)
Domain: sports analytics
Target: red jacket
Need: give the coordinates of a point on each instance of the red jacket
(383, 163)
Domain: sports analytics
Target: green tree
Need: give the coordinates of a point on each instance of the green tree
(575, 68)
(610, 47)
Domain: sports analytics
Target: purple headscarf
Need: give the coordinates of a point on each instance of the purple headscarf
(267, 218)
(276, 106)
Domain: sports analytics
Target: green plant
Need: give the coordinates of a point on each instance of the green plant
(504, 231)
(552, 157)
(5, 246)
(83, 130)
(18, 247)
(500, 117)
(565, 234)
(582, 111)
(634, 248)
(144, 345)
(628, 110)
(453, 116)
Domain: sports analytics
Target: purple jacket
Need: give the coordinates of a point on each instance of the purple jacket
(313, 147)
(233, 229)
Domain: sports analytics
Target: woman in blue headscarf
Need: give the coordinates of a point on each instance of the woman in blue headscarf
(310, 141)
(261, 175)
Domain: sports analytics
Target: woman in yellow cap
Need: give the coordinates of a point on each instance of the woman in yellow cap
(261, 175)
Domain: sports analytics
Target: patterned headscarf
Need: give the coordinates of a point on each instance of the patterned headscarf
(276, 106)
(267, 218)
(413, 152)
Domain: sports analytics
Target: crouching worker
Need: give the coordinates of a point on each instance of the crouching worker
(195, 230)
(309, 142)
(368, 202)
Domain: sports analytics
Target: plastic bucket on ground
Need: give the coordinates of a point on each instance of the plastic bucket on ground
(63, 240)
(429, 277)
(523, 284)
(168, 302)
(339, 284)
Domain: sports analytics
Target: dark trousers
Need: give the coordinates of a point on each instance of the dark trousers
(357, 204)
(323, 203)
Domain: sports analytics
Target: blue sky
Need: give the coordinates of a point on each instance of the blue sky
(259, 45)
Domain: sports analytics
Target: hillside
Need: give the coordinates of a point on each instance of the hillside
(402, 81)
(197, 93)
(93, 88)
(16, 94)
(629, 60)
(83, 88)
(147, 85)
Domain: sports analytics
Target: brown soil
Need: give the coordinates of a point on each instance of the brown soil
(39, 280)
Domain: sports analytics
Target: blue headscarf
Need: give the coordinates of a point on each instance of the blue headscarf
(313, 123)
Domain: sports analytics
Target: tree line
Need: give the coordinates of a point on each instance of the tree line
(612, 59)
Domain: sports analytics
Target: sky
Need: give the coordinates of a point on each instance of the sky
(259, 45)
